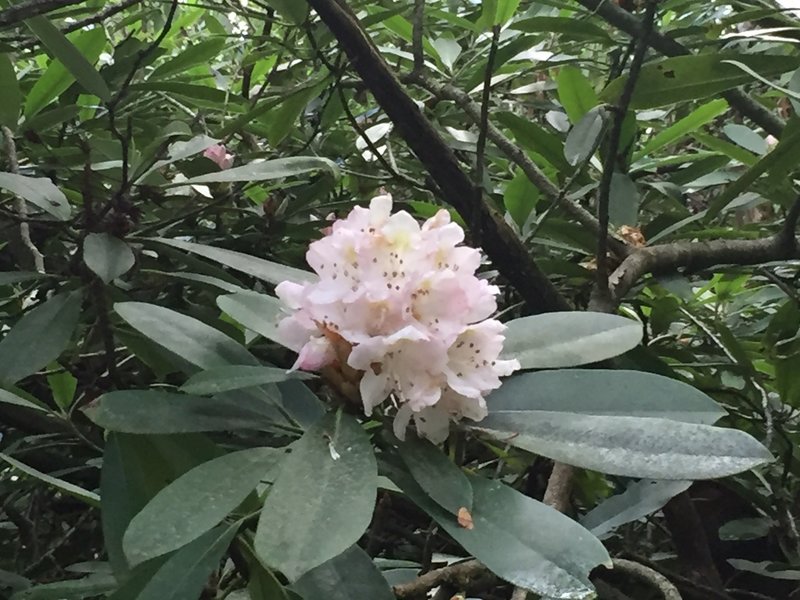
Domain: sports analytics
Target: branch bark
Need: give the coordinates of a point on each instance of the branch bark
(501, 244)
(743, 104)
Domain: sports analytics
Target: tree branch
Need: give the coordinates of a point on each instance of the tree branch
(623, 20)
(651, 576)
(501, 244)
(32, 8)
(462, 575)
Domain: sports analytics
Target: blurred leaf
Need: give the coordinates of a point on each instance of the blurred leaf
(435, 473)
(536, 139)
(623, 200)
(745, 137)
(82, 51)
(328, 483)
(236, 377)
(194, 54)
(90, 498)
(691, 122)
(269, 169)
(11, 277)
(39, 191)
(520, 198)
(193, 340)
(672, 80)
(765, 569)
(348, 576)
(12, 99)
(569, 339)
(256, 267)
(745, 529)
(39, 337)
(106, 256)
(567, 25)
(575, 92)
(71, 589)
(295, 12)
(196, 502)
(584, 138)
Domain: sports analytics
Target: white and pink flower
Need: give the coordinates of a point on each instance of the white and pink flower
(406, 299)
(219, 154)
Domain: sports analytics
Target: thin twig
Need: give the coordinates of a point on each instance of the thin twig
(416, 36)
(19, 203)
(483, 126)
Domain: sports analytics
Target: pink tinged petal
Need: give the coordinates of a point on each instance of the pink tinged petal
(317, 353)
(433, 423)
(290, 293)
(441, 218)
(380, 209)
(374, 389)
(294, 333)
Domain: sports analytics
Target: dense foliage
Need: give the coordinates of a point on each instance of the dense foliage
(165, 165)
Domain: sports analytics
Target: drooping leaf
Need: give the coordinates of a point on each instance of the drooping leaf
(435, 473)
(268, 169)
(569, 339)
(12, 99)
(39, 191)
(196, 502)
(584, 137)
(256, 267)
(680, 78)
(236, 377)
(575, 92)
(623, 200)
(108, 257)
(327, 484)
(519, 539)
(65, 486)
(193, 340)
(39, 337)
(58, 77)
(350, 575)
(639, 500)
(154, 411)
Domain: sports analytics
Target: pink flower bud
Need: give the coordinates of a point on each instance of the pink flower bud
(219, 155)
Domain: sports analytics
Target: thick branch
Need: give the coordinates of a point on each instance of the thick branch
(461, 575)
(518, 157)
(651, 576)
(502, 246)
(693, 256)
(32, 8)
(623, 20)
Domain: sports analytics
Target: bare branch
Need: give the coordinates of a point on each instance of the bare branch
(462, 575)
(502, 245)
(32, 8)
(623, 20)
(651, 576)
(19, 203)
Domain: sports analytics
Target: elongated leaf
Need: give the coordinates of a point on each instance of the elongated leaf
(350, 575)
(536, 139)
(185, 573)
(639, 500)
(39, 191)
(12, 99)
(39, 337)
(9, 398)
(567, 25)
(195, 54)
(256, 267)
(57, 78)
(327, 484)
(236, 377)
(266, 170)
(152, 411)
(196, 502)
(435, 473)
(569, 339)
(65, 486)
(193, 340)
(584, 137)
(575, 93)
(108, 257)
(87, 587)
(691, 122)
(11, 277)
(181, 150)
(519, 539)
(623, 201)
(257, 312)
(295, 12)
(681, 78)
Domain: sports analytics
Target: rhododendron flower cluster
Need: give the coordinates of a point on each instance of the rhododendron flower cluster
(220, 155)
(405, 301)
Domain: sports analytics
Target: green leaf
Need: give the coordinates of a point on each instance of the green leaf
(196, 502)
(584, 138)
(435, 473)
(295, 12)
(745, 137)
(505, 11)
(623, 200)
(90, 498)
(8, 398)
(12, 98)
(682, 78)
(732, 150)
(39, 337)
(92, 586)
(195, 54)
(567, 25)
(11, 277)
(63, 386)
(39, 191)
(569, 339)
(267, 170)
(153, 411)
(327, 484)
(691, 122)
(184, 575)
(793, 95)
(536, 139)
(106, 256)
(520, 540)
(348, 576)
(283, 117)
(575, 92)
(192, 340)
(256, 267)
(257, 312)
(642, 498)
(59, 76)
(520, 198)
(616, 428)
(236, 377)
